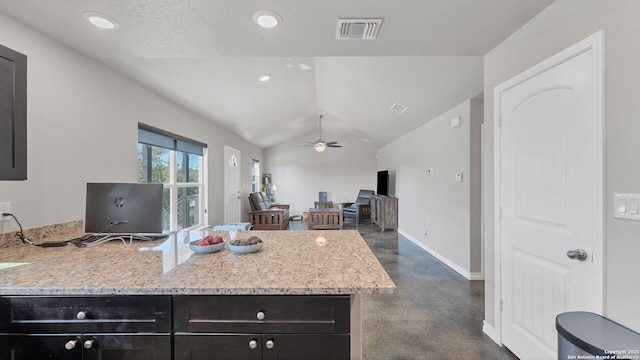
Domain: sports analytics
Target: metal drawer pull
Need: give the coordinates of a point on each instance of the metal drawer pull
(81, 315)
(253, 344)
(71, 344)
(88, 344)
(260, 315)
(270, 344)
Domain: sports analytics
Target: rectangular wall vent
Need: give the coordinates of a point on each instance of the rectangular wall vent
(358, 29)
(398, 108)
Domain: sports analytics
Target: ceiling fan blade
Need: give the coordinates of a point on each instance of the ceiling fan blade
(336, 146)
(331, 143)
(305, 146)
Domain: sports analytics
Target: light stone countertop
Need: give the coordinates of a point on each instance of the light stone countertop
(290, 262)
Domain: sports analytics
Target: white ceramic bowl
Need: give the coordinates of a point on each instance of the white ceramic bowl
(238, 249)
(205, 249)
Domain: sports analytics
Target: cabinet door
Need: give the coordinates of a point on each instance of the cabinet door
(40, 347)
(126, 346)
(217, 347)
(308, 347)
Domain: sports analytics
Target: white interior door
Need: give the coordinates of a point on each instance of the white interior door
(550, 191)
(232, 185)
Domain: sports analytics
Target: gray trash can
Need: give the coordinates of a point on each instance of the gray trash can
(584, 335)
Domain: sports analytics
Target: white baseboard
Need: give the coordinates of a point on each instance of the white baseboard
(477, 276)
(457, 268)
(490, 331)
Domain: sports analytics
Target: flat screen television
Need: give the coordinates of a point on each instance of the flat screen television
(123, 208)
(383, 183)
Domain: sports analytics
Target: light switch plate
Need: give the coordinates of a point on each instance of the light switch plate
(625, 206)
(459, 177)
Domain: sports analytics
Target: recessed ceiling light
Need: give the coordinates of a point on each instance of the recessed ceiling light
(101, 20)
(264, 78)
(267, 18)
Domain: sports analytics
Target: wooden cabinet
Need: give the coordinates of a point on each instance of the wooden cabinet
(85, 346)
(384, 211)
(179, 327)
(261, 327)
(261, 346)
(109, 327)
(13, 115)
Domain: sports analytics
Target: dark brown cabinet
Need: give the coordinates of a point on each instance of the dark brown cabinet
(13, 115)
(86, 347)
(261, 346)
(175, 327)
(109, 327)
(261, 327)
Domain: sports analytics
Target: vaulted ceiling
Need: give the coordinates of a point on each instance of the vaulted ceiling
(207, 55)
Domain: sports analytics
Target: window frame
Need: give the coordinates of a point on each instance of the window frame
(173, 185)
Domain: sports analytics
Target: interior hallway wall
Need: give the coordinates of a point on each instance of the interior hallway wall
(547, 34)
(436, 212)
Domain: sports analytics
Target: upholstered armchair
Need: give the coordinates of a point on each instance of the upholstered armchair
(264, 216)
(360, 209)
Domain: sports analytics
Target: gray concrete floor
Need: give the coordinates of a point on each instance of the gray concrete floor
(434, 314)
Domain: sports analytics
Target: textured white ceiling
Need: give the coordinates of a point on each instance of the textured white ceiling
(207, 55)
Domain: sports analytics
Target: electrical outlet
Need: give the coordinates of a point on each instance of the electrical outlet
(426, 232)
(5, 207)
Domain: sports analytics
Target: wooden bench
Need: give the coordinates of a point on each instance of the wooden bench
(325, 218)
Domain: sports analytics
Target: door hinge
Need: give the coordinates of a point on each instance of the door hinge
(500, 212)
(500, 304)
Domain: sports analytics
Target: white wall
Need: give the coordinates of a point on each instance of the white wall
(435, 202)
(82, 127)
(299, 173)
(562, 24)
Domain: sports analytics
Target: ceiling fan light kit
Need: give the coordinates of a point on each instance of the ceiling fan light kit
(321, 145)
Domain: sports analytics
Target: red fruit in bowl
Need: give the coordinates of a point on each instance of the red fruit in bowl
(216, 240)
(203, 242)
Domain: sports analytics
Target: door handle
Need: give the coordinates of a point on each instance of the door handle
(577, 254)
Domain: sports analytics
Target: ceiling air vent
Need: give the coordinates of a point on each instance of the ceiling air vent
(358, 29)
(398, 108)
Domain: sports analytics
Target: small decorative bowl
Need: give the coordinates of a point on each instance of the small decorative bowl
(205, 249)
(246, 249)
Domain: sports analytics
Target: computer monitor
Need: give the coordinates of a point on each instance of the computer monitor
(123, 208)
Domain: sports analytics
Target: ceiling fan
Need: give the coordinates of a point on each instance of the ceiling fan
(320, 145)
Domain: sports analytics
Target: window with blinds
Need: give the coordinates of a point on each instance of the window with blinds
(179, 164)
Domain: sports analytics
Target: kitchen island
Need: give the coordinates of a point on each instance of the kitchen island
(304, 280)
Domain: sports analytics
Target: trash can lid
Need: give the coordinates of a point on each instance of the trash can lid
(597, 335)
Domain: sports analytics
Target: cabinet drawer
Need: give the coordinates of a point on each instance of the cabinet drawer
(35, 314)
(261, 314)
